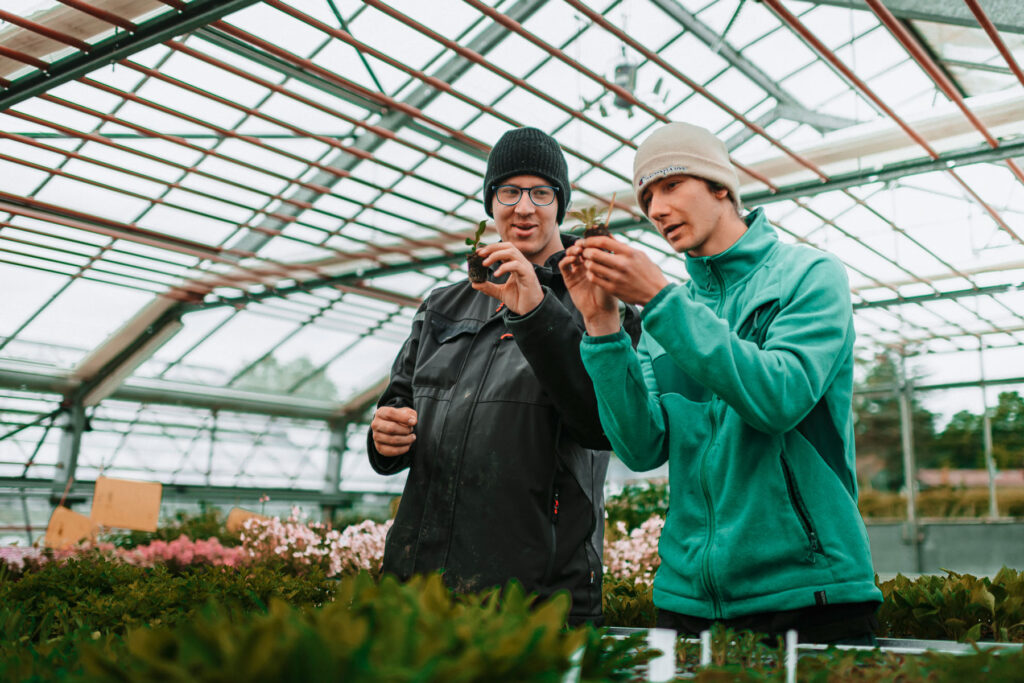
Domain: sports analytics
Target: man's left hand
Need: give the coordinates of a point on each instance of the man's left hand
(521, 292)
(622, 271)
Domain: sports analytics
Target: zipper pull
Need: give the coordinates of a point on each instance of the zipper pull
(815, 547)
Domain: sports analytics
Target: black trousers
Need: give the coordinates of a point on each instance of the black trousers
(851, 623)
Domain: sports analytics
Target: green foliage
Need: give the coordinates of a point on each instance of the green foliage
(47, 615)
(627, 603)
(474, 241)
(637, 503)
(961, 443)
(109, 596)
(587, 217)
(207, 524)
(958, 606)
(608, 658)
(384, 631)
(877, 426)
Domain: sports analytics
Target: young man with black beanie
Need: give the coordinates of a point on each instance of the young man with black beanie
(490, 409)
(743, 383)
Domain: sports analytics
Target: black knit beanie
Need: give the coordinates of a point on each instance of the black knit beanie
(527, 151)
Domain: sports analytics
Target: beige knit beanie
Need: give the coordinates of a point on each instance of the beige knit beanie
(682, 148)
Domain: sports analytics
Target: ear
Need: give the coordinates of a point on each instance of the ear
(721, 193)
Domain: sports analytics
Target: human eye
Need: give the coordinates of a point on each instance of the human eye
(542, 194)
(508, 193)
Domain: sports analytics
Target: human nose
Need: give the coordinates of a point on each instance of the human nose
(657, 209)
(525, 203)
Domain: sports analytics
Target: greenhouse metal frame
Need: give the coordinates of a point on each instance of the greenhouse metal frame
(217, 219)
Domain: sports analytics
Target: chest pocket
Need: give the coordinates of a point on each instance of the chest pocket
(444, 346)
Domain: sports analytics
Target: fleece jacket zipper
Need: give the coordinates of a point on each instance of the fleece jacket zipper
(708, 574)
(797, 501)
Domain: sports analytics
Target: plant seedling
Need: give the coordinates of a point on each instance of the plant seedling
(474, 261)
(588, 219)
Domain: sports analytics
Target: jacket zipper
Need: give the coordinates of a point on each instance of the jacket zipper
(797, 501)
(465, 436)
(708, 575)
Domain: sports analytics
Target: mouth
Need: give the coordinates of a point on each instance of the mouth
(667, 232)
(520, 229)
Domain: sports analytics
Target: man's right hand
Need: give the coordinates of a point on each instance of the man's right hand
(600, 309)
(392, 430)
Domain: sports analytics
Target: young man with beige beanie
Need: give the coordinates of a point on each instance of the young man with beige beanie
(743, 383)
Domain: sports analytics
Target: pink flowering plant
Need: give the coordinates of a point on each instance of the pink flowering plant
(303, 544)
(183, 552)
(19, 559)
(633, 555)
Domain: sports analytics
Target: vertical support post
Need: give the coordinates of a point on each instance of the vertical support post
(68, 450)
(990, 461)
(28, 518)
(909, 459)
(213, 440)
(332, 469)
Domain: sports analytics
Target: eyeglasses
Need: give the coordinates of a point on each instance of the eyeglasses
(540, 195)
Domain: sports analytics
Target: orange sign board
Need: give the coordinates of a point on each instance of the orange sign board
(126, 504)
(68, 527)
(237, 516)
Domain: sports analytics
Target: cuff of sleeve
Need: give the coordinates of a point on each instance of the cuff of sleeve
(619, 335)
(657, 299)
(537, 317)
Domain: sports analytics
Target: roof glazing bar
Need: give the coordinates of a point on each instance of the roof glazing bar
(196, 13)
(393, 120)
(1005, 14)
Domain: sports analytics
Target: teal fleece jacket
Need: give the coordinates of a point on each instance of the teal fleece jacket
(743, 382)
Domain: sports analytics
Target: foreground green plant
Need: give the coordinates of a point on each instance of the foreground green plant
(47, 615)
(384, 631)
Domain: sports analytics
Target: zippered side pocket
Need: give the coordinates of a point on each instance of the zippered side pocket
(554, 535)
(797, 502)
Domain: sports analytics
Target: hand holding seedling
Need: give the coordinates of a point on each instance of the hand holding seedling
(392, 430)
(620, 270)
(521, 292)
(600, 309)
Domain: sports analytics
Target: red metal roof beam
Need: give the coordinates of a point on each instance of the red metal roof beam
(45, 31)
(941, 80)
(515, 26)
(788, 18)
(794, 23)
(100, 14)
(993, 34)
(19, 56)
(374, 95)
(477, 58)
(443, 86)
(696, 87)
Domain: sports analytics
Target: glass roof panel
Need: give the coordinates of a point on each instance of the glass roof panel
(253, 161)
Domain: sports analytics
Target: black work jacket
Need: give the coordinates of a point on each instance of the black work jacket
(506, 475)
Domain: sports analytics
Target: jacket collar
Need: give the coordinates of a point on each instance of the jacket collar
(733, 264)
(549, 271)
